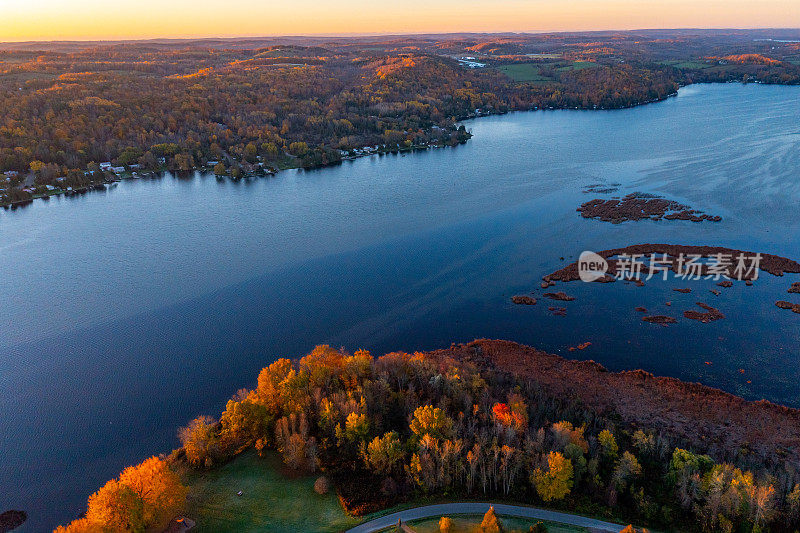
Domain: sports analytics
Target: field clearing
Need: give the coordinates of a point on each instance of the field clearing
(270, 500)
(523, 72)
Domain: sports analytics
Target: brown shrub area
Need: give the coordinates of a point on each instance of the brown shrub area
(560, 296)
(788, 305)
(659, 319)
(772, 264)
(710, 315)
(704, 417)
(637, 206)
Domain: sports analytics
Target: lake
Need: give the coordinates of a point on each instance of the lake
(127, 312)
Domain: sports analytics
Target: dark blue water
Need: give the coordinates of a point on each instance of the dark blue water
(125, 313)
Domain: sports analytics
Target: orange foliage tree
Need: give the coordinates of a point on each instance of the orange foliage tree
(144, 497)
(513, 414)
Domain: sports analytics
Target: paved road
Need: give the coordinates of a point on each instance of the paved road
(479, 508)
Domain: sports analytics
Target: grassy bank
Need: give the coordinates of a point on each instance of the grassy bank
(271, 500)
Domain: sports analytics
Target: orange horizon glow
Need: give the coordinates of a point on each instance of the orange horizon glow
(45, 20)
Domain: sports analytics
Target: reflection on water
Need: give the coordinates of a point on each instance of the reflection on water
(127, 312)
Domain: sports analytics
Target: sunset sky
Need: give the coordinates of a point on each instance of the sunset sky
(101, 19)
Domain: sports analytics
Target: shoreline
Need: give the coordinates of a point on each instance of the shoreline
(161, 173)
(158, 174)
(383, 150)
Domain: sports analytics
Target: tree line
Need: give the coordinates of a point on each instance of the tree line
(62, 114)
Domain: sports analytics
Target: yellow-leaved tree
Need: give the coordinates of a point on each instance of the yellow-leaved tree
(433, 421)
(556, 482)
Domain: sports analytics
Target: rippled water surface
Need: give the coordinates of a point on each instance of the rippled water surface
(127, 312)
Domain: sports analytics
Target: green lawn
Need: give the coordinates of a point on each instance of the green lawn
(530, 72)
(270, 500)
(523, 72)
(471, 523)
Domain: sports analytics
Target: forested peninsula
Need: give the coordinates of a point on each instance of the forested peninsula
(489, 419)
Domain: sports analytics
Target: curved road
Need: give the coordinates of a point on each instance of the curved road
(479, 508)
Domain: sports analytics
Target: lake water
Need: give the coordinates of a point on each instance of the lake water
(125, 313)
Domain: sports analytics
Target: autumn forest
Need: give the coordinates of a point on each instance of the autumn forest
(244, 107)
(411, 426)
